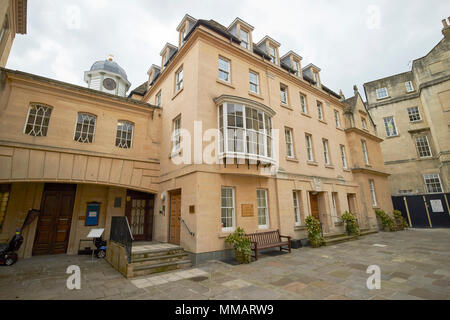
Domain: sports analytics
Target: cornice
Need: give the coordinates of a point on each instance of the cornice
(363, 133)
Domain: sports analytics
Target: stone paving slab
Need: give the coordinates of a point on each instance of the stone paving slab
(415, 264)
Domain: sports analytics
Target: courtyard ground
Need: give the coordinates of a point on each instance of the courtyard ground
(415, 264)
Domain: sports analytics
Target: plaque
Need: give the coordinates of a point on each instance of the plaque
(247, 210)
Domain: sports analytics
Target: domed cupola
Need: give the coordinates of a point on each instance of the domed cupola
(107, 76)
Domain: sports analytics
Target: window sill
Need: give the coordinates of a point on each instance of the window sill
(368, 166)
(292, 159)
(339, 128)
(416, 121)
(329, 166)
(299, 228)
(384, 98)
(312, 163)
(287, 106)
(177, 93)
(346, 170)
(390, 137)
(305, 114)
(323, 121)
(228, 84)
(256, 95)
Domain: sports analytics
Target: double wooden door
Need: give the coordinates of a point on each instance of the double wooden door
(53, 229)
(175, 217)
(139, 211)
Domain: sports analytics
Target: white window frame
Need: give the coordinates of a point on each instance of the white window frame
(365, 152)
(255, 84)
(373, 193)
(423, 144)
(309, 147)
(409, 86)
(414, 112)
(244, 42)
(296, 67)
(226, 70)
(81, 132)
(320, 110)
(432, 176)
(337, 119)
(233, 209)
(264, 208)
(38, 128)
(343, 156)
(288, 136)
(273, 56)
(297, 210)
(303, 103)
(158, 99)
(176, 134)
(284, 93)
(124, 138)
(256, 143)
(179, 79)
(382, 93)
(386, 126)
(326, 152)
(182, 35)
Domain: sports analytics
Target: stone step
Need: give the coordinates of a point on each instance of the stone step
(336, 240)
(368, 231)
(156, 253)
(158, 259)
(334, 235)
(143, 270)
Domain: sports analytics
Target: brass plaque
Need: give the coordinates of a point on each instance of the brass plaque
(191, 209)
(81, 217)
(247, 210)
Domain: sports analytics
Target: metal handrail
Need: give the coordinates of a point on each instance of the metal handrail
(188, 230)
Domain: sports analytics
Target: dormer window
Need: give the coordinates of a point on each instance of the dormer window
(296, 67)
(164, 61)
(245, 39)
(316, 79)
(273, 54)
(182, 36)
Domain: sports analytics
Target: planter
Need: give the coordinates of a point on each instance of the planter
(241, 257)
(296, 243)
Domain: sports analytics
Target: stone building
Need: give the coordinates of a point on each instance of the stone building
(411, 111)
(226, 132)
(13, 20)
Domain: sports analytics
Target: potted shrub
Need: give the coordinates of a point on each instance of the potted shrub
(241, 244)
(351, 225)
(400, 221)
(315, 237)
(386, 221)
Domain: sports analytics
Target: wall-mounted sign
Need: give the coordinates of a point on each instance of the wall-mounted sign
(436, 205)
(247, 210)
(92, 214)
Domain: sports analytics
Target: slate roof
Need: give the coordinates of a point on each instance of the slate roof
(140, 90)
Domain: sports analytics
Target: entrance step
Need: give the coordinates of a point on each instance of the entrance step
(155, 258)
(365, 232)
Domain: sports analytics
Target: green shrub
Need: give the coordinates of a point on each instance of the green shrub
(351, 225)
(386, 221)
(314, 232)
(241, 244)
(400, 222)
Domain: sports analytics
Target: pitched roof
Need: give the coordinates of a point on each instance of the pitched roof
(140, 90)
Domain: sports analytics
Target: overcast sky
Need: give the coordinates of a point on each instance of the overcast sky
(353, 42)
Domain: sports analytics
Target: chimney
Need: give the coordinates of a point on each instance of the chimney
(446, 28)
(342, 95)
(355, 89)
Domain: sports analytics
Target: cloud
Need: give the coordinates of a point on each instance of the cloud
(351, 41)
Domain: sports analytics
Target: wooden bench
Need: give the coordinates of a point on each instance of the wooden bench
(268, 239)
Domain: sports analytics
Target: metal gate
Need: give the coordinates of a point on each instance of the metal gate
(424, 211)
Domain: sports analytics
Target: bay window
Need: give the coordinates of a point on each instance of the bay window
(245, 131)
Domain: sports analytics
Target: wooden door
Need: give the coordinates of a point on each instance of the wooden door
(314, 201)
(53, 229)
(175, 217)
(139, 211)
